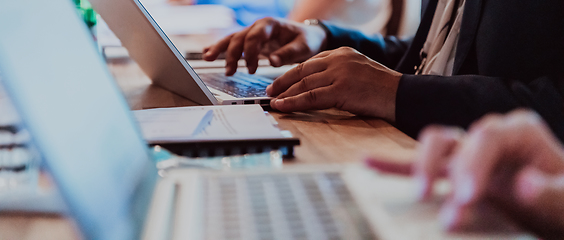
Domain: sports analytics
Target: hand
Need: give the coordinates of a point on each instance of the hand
(341, 78)
(284, 42)
(511, 161)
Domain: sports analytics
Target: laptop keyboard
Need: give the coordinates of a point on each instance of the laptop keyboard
(239, 85)
(282, 206)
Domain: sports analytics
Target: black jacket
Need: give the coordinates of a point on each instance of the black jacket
(510, 54)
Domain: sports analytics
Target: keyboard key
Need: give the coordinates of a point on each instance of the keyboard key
(267, 207)
(239, 85)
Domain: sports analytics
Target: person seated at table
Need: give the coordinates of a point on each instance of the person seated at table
(246, 11)
(389, 17)
(513, 162)
(468, 58)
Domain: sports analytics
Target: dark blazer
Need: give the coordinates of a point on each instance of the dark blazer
(510, 54)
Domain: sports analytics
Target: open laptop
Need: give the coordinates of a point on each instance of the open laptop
(93, 149)
(157, 56)
(95, 153)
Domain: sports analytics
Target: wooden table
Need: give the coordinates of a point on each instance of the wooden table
(329, 136)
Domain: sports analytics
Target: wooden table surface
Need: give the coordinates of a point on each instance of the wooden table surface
(328, 136)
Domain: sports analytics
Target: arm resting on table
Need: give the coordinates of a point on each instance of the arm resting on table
(459, 100)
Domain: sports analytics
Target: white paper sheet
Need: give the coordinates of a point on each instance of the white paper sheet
(8, 114)
(158, 124)
(228, 122)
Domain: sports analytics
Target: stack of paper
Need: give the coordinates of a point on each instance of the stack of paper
(235, 122)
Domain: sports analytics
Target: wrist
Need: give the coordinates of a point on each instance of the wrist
(391, 102)
(324, 33)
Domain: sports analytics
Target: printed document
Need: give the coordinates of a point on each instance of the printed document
(206, 123)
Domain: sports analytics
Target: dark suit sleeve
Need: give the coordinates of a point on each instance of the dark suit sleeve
(385, 50)
(459, 100)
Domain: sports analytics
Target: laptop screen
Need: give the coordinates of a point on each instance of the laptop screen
(76, 114)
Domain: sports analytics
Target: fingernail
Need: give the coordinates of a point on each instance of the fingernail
(448, 217)
(275, 61)
(207, 56)
(269, 90)
(252, 69)
(228, 70)
(458, 218)
(529, 186)
(464, 191)
(279, 102)
(421, 187)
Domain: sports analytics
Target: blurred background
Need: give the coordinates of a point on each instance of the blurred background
(369, 16)
(194, 24)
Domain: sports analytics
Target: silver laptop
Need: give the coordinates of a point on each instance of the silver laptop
(157, 56)
(93, 149)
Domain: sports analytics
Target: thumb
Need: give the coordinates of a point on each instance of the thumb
(294, 51)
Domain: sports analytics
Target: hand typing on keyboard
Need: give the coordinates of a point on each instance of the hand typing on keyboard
(284, 42)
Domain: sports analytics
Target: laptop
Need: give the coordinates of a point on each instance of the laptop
(93, 149)
(157, 56)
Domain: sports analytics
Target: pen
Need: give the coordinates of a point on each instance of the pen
(205, 122)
